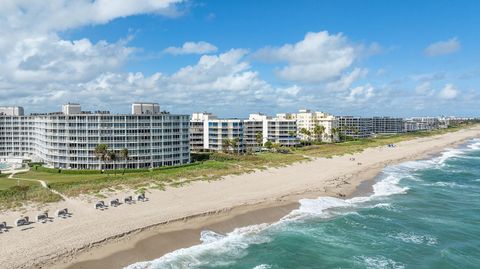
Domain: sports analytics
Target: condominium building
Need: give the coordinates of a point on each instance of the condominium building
(11, 110)
(388, 125)
(281, 131)
(421, 124)
(68, 139)
(307, 120)
(355, 127)
(209, 133)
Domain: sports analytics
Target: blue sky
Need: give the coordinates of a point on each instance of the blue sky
(402, 58)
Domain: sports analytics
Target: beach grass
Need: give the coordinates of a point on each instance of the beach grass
(216, 166)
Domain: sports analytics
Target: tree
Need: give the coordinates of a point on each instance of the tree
(269, 144)
(226, 143)
(318, 131)
(124, 156)
(235, 144)
(334, 134)
(112, 157)
(259, 139)
(101, 152)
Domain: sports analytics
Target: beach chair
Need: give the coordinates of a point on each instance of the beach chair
(128, 200)
(42, 217)
(141, 197)
(3, 226)
(61, 213)
(99, 205)
(22, 221)
(114, 202)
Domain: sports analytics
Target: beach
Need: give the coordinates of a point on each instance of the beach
(174, 218)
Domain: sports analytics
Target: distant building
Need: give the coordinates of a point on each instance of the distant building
(68, 139)
(355, 127)
(11, 110)
(215, 132)
(388, 125)
(308, 120)
(282, 131)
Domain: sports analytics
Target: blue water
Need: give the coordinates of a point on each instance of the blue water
(423, 214)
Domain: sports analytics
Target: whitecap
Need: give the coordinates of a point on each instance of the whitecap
(216, 250)
(415, 238)
(379, 262)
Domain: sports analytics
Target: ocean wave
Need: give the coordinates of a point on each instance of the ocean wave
(380, 262)
(262, 266)
(415, 239)
(445, 184)
(225, 249)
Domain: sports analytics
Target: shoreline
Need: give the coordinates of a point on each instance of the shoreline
(183, 230)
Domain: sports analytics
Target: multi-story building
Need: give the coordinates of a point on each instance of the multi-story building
(11, 110)
(355, 127)
(68, 139)
(282, 131)
(308, 120)
(388, 125)
(209, 133)
(421, 124)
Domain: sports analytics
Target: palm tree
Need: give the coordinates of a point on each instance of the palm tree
(259, 139)
(124, 156)
(112, 156)
(101, 152)
(226, 143)
(306, 134)
(334, 134)
(235, 145)
(318, 131)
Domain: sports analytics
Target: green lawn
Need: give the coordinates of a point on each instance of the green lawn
(217, 166)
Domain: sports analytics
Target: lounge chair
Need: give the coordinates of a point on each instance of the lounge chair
(22, 221)
(141, 197)
(114, 202)
(99, 205)
(128, 200)
(3, 226)
(42, 217)
(61, 213)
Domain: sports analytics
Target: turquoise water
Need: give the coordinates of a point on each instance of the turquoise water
(423, 214)
(3, 165)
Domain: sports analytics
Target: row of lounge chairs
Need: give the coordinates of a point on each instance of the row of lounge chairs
(41, 218)
(116, 202)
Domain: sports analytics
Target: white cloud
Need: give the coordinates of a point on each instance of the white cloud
(448, 92)
(216, 82)
(201, 47)
(361, 94)
(443, 47)
(318, 57)
(425, 88)
(346, 80)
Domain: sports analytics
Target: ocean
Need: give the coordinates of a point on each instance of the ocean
(422, 214)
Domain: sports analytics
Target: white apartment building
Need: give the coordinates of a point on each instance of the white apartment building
(68, 139)
(208, 133)
(11, 110)
(307, 119)
(281, 131)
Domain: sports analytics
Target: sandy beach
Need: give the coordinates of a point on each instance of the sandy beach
(173, 218)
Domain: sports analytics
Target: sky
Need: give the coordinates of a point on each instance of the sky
(231, 58)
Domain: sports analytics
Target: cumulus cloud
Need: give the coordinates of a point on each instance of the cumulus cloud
(201, 47)
(346, 80)
(361, 94)
(318, 57)
(443, 47)
(226, 77)
(448, 92)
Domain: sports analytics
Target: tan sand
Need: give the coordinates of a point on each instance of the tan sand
(92, 234)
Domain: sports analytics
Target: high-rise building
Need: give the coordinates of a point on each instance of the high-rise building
(68, 139)
(277, 130)
(388, 125)
(11, 110)
(355, 127)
